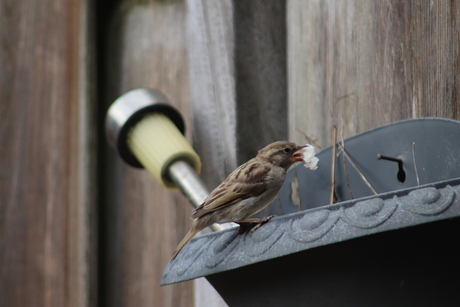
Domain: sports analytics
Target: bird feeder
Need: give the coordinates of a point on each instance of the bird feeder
(394, 248)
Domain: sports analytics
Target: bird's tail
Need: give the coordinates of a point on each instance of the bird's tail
(195, 229)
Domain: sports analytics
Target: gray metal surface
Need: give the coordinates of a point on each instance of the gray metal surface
(436, 151)
(292, 233)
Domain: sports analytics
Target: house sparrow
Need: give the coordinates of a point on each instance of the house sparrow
(247, 190)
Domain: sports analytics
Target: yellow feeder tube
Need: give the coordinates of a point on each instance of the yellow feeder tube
(157, 143)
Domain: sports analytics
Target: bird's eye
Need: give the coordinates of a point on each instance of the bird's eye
(286, 150)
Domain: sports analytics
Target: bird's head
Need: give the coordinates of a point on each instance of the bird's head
(282, 153)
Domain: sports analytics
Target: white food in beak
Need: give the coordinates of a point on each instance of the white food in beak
(308, 153)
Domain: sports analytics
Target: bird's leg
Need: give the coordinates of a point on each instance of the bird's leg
(241, 228)
(245, 222)
(259, 222)
(262, 221)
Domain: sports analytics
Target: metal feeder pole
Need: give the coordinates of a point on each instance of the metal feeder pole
(148, 132)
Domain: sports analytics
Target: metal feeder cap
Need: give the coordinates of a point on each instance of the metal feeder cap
(129, 109)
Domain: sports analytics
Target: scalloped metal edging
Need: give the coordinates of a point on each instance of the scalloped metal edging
(284, 235)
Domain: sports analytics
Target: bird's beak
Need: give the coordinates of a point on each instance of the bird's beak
(298, 156)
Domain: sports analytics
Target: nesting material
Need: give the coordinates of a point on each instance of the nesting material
(308, 153)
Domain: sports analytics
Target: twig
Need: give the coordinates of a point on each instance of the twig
(334, 141)
(281, 205)
(344, 164)
(344, 97)
(296, 180)
(356, 168)
(346, 177)
(415, 163)
(310, 140)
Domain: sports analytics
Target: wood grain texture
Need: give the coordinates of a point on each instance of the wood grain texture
(237, 54)
(212, 86)
(362, 64)
(261, 86)
(143, 222)
(46, 159)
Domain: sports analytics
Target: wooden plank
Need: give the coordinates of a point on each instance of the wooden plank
(370, 63)
(212, 87)
(142, 221)
(238, 81)
(261, 83)
(46, 200)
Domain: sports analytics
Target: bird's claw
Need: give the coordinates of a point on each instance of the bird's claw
(261, 222)
(257, 221)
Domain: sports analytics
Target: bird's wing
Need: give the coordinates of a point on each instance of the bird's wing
(246, 181)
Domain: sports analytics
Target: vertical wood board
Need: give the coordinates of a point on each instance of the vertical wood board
(46, 198)
(362, 64)
(143, 221)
